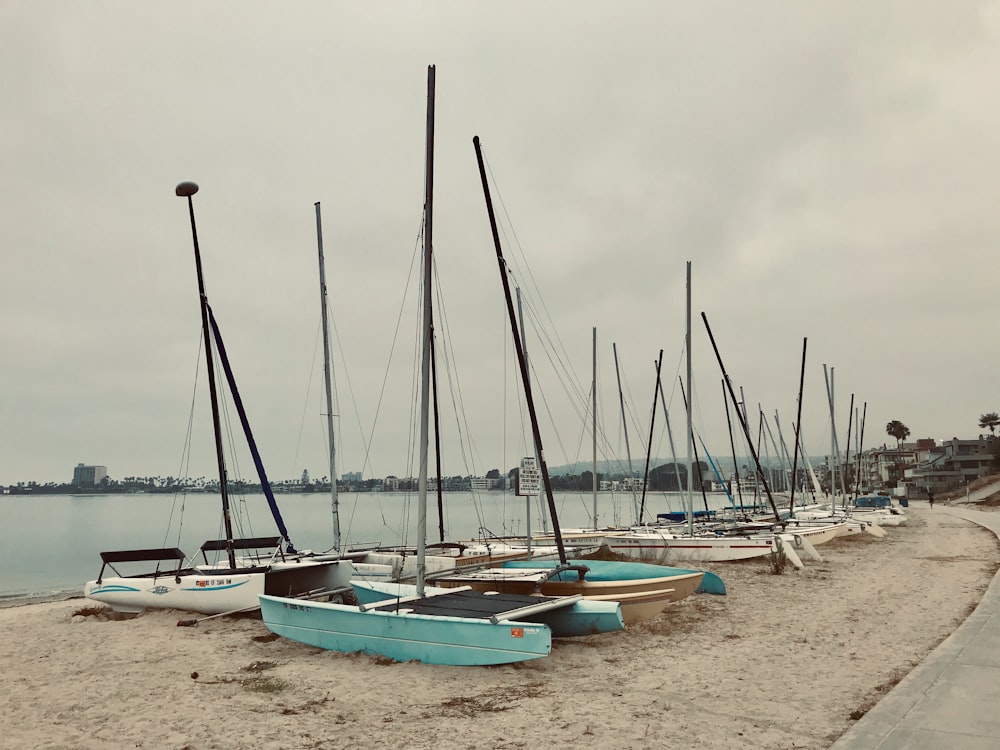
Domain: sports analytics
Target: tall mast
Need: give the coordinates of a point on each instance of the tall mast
(834, 449)
(628, 450)
(328, 378)
(649, 444)
(594, 422)
(798, 423)
(522, 363)
(743, 421)
(425, 359)
(690, 421)
(187, 190)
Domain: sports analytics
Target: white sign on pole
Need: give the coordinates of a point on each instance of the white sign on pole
(529, 478)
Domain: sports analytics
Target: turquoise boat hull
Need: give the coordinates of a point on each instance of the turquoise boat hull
(614, 570)
(585, 617)
(403, 636)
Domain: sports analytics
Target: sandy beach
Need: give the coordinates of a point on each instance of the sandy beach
(781, 661)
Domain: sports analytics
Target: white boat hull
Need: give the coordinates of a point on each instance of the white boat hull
(216, 591)
(669, 547)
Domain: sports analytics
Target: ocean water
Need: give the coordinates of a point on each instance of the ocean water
(51, 543)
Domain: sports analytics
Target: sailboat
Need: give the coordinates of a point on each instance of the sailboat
(682, 541)
(643, 590)
(372, 565)
(234, 585)
(458, 627)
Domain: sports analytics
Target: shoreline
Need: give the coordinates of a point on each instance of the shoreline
(781, 661)
(18, 599)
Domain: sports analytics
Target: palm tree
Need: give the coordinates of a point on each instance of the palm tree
(900, 431)
(990, 420)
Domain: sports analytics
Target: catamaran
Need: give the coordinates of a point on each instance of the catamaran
(236, 583)
(458, 628)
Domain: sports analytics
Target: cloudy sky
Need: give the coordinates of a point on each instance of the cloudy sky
(829, 169)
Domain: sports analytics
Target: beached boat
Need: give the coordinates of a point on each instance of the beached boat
(642, 595)
(882, 509)
(697, 542)
(419, 632)
(371, 564)
(669, 545)
(572, 616)
(847, 524)
(211, 588)
(643, 590)
(216, 587)
(477, 629)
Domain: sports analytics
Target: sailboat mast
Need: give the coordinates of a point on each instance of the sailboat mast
(670, 439)
(594, 422)
(861, 442)
(834, 449)
(437, 434)
(328, 377)
(690, 421)
(798, 422)
(743, 421)
(425, 360)
(628, 450)
(522, 363)
(187, 190)
(649, 443)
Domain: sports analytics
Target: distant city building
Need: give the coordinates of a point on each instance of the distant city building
(484, 483)
(952, 463)
(351, 476)
(89, 476)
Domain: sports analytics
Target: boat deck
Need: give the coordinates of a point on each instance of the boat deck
(473, 604)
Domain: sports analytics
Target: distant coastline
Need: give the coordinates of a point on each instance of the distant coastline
(573, 477)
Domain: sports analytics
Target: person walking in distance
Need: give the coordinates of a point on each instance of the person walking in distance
(930, 498)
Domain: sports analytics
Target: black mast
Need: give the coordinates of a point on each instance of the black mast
(798, 421)
(743, 422)
(187, 190)
(649, 443)
(520, 355)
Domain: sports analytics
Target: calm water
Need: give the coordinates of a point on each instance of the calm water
(51, 543)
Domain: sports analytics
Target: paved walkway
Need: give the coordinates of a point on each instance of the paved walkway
(951, 700)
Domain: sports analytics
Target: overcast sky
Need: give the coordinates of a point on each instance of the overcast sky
(829, 168)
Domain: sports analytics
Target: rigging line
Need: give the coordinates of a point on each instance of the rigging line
(466, 443)
(454, 384)
(697, 415)
(630, 407)
(184, 467)
(557, 355)
(516, 244)
(345, 377)
(554, 342)
(392, 349)
(241, 515)
(578, 396)
(522, 412)
(305, 403)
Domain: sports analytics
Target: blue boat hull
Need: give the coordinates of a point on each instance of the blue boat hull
(613, 570)
(403, 636)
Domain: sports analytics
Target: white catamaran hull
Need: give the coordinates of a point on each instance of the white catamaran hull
(215, 591)
(665, 547)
